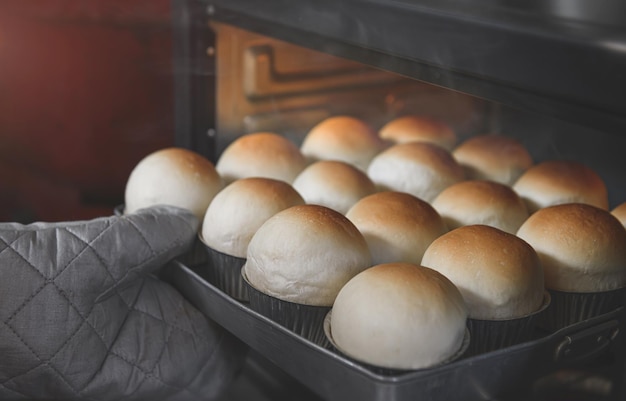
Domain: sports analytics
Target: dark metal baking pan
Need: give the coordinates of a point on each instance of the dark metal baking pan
(494, 375)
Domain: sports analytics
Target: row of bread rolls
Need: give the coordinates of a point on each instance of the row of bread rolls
(401, 157)
(411, 165)
(404, 161)
(299, 249)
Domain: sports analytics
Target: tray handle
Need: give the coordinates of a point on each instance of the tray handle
(587, 343)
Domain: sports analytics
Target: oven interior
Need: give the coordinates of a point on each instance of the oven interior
(237, 75)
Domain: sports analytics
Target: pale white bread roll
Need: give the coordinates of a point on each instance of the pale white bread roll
(556, 182)
(481, 202)
(582, 248)
(238, 210)
(620, 212)
(399, 316)
(261, 154)
(493, 157)
(342, 138)
(305, 254)
(397, 226)
(334, 184)
(172, 176)
(417, 128)
(498, 274)
(419, 168)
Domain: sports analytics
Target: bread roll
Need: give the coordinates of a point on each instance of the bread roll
(582, 248)
(481, 202)
(261, 154)
(334, 184)
(172, 176)
(620, 212)
(241, 208)
(342, 138)
(398, 227)
(558, 181)
(399, 316)
(493, 157)
(419, 168)
(305, 254)
(419, 129)
(498, 274)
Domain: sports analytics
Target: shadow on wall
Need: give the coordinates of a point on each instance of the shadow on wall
(86, 91)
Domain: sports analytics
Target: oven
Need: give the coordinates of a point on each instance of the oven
(550, 74)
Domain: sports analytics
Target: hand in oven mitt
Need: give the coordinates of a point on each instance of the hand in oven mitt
(81, 317)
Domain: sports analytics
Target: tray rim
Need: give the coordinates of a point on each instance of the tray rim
(386, 385)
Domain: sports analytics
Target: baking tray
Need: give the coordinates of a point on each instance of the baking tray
(495, 375)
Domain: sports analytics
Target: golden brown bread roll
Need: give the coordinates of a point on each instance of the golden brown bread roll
(419, 168)
(342, 138)
(305, 254)
(172, 176)
(397, 226)
(493, 157)
(399, 316)
(416, 128)
(556, 182)
(498, 274)
(261, 154)
(582, 248)
(481, 202)
(334, 184)
(238, 210)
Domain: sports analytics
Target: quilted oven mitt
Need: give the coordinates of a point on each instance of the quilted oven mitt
(81, 316)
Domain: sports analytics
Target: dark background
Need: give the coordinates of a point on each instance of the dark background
(86, 91)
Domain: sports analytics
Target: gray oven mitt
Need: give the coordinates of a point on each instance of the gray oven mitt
(81, 316)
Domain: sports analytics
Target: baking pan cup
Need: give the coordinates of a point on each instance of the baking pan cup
(304, 320)
(224, 271)
(490, 335)
(568, 308)
(390, 371)
(196, 255)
